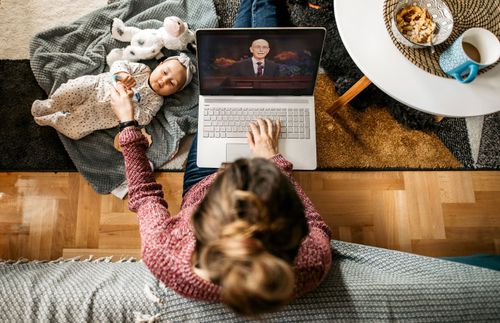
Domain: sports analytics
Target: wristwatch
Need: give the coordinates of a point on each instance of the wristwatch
(125, 124)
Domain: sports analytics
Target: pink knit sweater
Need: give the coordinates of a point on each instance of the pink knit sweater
(168, 241)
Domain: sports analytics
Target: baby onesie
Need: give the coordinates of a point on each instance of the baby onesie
(83, 105)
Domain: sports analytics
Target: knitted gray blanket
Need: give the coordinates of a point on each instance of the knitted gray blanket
(80, 48)
(365, 283)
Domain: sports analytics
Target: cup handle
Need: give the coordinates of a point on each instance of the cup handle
(473, 69)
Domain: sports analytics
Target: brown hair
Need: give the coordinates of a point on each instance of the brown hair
(248, 229)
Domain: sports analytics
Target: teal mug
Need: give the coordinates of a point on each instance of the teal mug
(475, 49)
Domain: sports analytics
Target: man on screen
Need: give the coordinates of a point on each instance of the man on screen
(257, 65)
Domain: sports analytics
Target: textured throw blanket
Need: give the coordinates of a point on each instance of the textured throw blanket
(365, 284)
(80, 48)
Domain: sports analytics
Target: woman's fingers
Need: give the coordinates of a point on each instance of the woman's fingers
(250, 140)
(263, 137)
(114, 91)
(127, 84)
(130, 82)
(262, 127)
(121, 104)
(122, 89)
(118, 89)
(269, 127)
(266, 127)
(277, 129)
(254, 129)
(126, 79)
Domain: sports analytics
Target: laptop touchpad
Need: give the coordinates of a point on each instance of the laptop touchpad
(235, 151)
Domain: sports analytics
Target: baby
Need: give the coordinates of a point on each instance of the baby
(82, 105)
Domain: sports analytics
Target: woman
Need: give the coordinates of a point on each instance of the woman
(246, 235)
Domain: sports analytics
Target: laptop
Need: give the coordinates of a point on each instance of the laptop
(235, 90)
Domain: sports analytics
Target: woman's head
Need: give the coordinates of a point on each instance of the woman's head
(249, 228)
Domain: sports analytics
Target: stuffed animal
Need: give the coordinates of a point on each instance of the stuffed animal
(147, 43)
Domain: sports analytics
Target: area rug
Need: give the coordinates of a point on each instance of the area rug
(354, 138)
(475, 142)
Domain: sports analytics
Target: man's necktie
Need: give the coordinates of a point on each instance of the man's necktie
(260, 68)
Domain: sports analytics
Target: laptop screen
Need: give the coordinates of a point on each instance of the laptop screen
(258, 61)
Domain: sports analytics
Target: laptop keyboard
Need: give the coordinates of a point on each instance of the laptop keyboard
(233, 122)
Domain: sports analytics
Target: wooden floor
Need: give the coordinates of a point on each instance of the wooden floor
(47, 216)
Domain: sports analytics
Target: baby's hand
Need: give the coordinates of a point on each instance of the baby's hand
(126, 79)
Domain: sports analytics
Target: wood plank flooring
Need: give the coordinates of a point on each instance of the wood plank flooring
(48, 215)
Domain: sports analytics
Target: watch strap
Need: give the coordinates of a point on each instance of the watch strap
(125, 124)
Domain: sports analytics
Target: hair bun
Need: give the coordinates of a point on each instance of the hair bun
(249, 206)
(239, 229)
(249, 228)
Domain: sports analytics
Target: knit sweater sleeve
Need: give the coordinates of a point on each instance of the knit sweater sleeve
(315, 256)
(146, 199)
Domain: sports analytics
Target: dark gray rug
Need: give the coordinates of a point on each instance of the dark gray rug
(25, 146)
(489, 151)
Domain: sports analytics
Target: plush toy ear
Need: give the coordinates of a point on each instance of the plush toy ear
(174, 26)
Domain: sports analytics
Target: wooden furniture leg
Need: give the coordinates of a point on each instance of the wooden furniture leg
(359, 86)
(438, 118)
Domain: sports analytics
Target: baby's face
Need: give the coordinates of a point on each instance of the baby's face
(168, 77)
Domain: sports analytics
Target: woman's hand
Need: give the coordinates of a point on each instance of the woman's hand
(121, 103)
(263, 137)
(126, 79)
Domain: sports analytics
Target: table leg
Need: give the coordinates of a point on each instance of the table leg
(359, 86)
(438, 118)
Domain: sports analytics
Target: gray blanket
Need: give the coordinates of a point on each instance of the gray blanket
(365, 284)
(80, 48)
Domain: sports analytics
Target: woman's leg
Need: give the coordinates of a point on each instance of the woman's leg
(244, 16)
(264, 13)
(193, 173)
(256, 13)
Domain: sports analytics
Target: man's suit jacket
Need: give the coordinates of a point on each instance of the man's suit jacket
(245, 68)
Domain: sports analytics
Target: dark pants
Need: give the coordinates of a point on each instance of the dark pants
(193, 173)
(256, 13)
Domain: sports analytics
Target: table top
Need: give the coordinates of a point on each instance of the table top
(362, 29)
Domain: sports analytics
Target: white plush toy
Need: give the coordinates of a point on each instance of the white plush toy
(147, 43)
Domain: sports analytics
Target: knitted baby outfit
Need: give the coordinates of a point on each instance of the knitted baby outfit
(83, 105)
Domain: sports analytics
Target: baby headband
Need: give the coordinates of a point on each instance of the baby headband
(186, 61)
